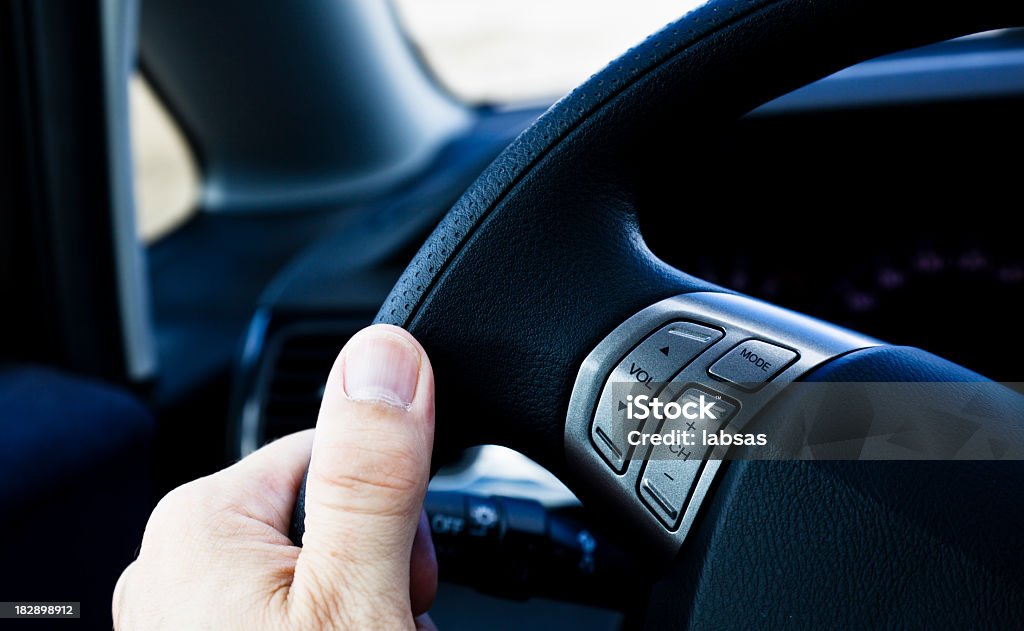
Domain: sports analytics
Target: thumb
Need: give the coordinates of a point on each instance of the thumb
(367, 477)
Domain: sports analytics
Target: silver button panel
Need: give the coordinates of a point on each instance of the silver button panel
(736, 349)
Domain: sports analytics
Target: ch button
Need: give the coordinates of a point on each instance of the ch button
(649, 365)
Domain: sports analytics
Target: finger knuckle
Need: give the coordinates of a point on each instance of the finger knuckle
(187, 510)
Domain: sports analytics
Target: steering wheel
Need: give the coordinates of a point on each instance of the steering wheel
(537, 289)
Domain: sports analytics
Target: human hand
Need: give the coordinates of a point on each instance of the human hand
(216, 553)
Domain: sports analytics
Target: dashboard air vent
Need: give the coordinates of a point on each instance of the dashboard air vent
(295, 379)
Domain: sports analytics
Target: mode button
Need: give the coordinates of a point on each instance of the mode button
(752, 363)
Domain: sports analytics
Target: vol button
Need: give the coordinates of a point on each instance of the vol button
(667, 350)
(651, 363)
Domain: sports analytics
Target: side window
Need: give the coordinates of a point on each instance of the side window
(166, 177)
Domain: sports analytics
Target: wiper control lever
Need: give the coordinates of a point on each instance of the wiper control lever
(518, 548)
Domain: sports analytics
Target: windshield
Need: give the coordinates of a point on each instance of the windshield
(521, 50)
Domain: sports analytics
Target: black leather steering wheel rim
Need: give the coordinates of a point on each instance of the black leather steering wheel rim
(542, 257)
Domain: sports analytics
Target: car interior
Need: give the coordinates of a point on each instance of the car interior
(832, 179)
